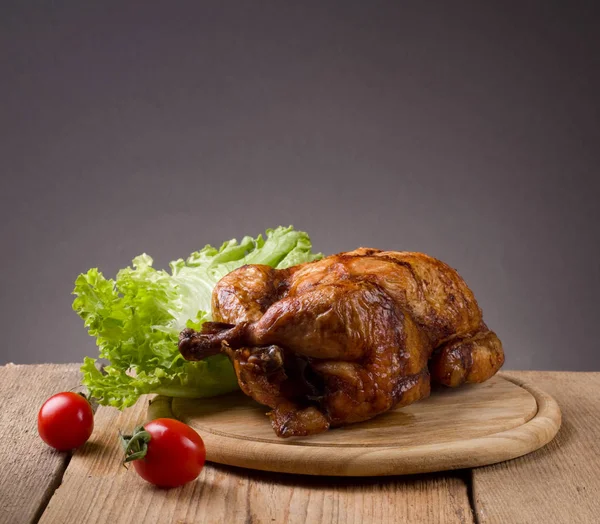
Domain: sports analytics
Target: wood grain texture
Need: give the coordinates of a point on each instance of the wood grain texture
(97, 489)
(454, 428)
(30, 470)
(559, 483)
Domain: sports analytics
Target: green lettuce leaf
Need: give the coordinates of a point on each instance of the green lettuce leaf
(136, 318)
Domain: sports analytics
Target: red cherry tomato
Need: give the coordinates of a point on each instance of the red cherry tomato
(165, 452)
(66, 421)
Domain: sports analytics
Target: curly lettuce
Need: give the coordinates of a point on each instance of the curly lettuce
(136, 318)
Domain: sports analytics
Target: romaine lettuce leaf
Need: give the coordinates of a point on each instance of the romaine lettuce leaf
(136, 318)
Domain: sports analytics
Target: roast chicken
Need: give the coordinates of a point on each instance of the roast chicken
(347, 337)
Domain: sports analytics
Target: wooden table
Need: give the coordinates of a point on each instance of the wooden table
(559, 483)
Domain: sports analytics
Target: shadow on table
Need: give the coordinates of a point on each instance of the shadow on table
(325, 482)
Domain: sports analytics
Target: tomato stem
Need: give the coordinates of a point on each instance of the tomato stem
(135, 446)
(82, 391)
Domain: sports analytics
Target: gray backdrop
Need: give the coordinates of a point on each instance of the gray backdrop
(467, 131)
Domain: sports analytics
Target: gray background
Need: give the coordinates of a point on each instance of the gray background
(467, 131)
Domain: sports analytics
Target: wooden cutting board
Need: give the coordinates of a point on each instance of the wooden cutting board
(470, 426)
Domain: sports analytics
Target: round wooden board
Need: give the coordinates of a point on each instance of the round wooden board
(470, 426)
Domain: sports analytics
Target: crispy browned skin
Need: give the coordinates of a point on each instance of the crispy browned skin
(347, 337)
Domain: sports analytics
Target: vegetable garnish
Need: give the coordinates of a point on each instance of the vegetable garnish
(165, 452)
(66, 421)
(136, 318)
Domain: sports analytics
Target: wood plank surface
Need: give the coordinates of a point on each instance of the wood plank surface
(559, 483)
(457, 428)
(30, 470)
(96, 488)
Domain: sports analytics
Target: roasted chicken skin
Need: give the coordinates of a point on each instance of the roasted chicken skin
(345, 338)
